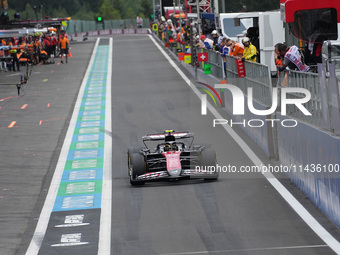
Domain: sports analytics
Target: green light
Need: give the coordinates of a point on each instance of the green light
(152, 16)
(99, 19)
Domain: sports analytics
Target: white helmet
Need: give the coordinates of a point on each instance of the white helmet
(163, 19)
(214, 32)
(245, 39)
(169, 21)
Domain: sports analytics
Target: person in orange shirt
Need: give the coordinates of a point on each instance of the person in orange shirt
(236, 49)
(36, 50)
(63, 45)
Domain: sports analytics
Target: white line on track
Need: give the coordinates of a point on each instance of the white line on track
(105, 231)
(248, 250)
(290, 199)
(104, 246)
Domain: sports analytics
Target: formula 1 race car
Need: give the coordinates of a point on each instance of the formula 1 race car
(172, 159)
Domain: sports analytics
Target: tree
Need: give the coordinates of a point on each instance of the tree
(118, 6)
(264, 5)
(107, 11)
(146, 8)
(28, 13)
(84, 13)
(130, 14)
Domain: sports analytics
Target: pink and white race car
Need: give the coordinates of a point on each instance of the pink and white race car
(172, 159)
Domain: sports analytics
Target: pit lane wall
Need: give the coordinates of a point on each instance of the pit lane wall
(259, 129)
(301, 147)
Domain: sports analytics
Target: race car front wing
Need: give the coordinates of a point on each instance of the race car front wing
(192, 173)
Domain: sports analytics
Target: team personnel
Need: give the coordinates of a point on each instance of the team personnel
(249, 50)
(63, 45)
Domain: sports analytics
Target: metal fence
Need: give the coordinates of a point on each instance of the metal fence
(216, 63)
(309, 81)
(80, 26)
(258, 77)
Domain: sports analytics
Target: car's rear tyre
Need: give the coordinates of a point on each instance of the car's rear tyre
(136, 165)
(209, 162)
(135, 150)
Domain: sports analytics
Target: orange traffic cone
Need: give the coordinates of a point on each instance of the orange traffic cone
(70, 54)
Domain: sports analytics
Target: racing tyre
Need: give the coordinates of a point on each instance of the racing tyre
(136, 167)
(203, 146)
(134, 150)
(208, 158)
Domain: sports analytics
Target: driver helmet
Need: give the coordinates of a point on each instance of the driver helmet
(167, 147)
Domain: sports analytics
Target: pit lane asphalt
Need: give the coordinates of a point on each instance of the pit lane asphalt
(30, 148)
(239, 214)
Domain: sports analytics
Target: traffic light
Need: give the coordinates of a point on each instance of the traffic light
(100, 20)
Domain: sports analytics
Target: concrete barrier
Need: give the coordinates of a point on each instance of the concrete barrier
(261, 135)
(315, 155)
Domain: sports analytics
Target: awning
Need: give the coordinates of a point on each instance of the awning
(289, 7)
(210, 16)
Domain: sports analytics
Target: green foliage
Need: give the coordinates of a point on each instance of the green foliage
(113, 9)
(82, 9)
(28, 13)
(84, 13)
(130, 14)
(107, 11)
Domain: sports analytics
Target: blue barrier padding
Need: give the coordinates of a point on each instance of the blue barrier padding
(316, 157)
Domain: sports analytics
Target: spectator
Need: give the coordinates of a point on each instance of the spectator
(250, 51)
(207, 42)
(236, 49)
(220, 37)
(139, 22)
(215, 40)
(291, 58)
(225, 51)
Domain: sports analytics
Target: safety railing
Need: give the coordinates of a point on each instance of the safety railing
(215, 62)
(257, 76)
(309, 81)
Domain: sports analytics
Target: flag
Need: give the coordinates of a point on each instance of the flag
(181, 56)
(202, 56)
(187, 58)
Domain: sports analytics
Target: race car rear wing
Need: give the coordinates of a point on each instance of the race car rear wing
(159, 137)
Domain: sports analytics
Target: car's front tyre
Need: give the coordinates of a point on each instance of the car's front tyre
(136, 165)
